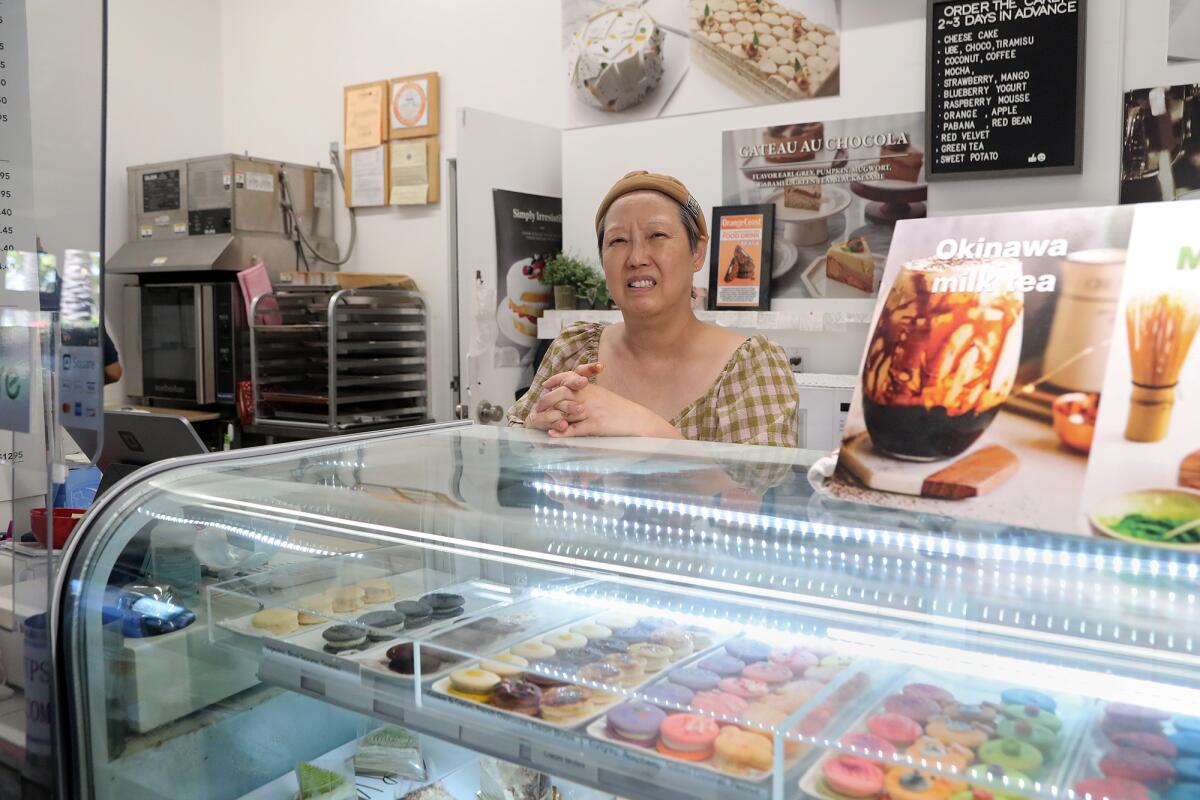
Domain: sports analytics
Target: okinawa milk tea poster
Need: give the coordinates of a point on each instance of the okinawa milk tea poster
(985, 366)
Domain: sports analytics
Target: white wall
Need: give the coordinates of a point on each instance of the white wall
(284, 64)
(164, 90)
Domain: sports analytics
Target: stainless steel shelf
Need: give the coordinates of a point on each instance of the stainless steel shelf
(339, 358)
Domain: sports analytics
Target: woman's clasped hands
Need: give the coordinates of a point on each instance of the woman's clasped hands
(571, 405)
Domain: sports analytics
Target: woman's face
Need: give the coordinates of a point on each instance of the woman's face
(648, 262)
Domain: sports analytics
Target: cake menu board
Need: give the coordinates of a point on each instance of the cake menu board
(1005, 87)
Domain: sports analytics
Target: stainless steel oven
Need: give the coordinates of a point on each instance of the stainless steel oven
(190, 338)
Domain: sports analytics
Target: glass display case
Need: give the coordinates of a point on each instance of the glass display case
(636, 618)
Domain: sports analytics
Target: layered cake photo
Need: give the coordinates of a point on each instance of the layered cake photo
(526, 298)
(769, 50)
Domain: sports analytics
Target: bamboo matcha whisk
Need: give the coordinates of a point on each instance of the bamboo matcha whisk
(1161, 330)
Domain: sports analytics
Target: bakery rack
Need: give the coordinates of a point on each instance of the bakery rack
(332, 360)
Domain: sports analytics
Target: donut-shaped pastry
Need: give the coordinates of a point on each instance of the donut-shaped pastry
(1028, 697)
(688, 736)
(565, 641)
(1112, 789)
(796, 659)
(744, 688)
(1185, 742)
(927, 690)
(723, 706)
(1012, 754)
(694, 678)
(931, 753)
(868, 745)
(768, 673)
(1153, 743)
(952, 731)
(911, 706)
(1043, 739)
(896, 728)
(902, 783)
(1034, 714)
(852, 776)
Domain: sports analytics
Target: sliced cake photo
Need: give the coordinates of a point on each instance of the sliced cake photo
(851, 263)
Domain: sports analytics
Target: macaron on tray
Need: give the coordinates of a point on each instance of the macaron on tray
(301, 621)
(939, 737)
(721, 712)
(454, 647)
(566, 676)
(1135, 753)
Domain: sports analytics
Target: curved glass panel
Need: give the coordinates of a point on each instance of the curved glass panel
(614, 586)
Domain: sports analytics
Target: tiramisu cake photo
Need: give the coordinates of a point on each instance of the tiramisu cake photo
(851, 263)
(766, 49)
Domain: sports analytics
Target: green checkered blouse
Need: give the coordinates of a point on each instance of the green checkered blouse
(753, 401)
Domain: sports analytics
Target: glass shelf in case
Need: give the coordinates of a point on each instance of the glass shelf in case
(650, 619)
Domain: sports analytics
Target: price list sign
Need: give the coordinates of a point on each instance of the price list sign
(16, 145)
(1005, 88)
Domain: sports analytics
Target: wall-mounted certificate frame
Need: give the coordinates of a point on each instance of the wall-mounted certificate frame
(413, 106)
(739, 275)
(365, 109)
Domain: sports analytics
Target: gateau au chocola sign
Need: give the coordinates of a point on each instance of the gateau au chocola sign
(1005, 88)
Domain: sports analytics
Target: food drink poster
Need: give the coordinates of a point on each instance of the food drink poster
(1143, 483)
(625, 62)
(739, 258)
(985, 366)
(528, 234)
(839, 188)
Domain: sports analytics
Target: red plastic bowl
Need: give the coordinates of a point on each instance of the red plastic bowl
(65, 520)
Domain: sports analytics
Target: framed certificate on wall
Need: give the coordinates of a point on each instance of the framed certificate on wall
(413, 106)
(739, 276)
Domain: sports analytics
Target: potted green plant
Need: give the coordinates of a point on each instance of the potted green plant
(573, 279)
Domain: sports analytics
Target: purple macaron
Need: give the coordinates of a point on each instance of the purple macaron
(748, 650)
(635, 635)
(723, 666)
(670, 697)
(695, 678)
(636, 722)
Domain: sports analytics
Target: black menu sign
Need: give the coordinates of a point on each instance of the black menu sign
(1005, 88)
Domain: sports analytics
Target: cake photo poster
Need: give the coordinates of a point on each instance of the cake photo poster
(839, 187)
(528, 233)
(1143, 482)
(985, 366)
(631, 60)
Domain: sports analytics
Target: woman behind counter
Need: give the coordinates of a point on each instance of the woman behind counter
(662, 372)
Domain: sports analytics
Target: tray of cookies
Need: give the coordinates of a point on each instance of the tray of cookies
(496, 630)
(721, 712)
(936, 735)
(1136, 753)
(567, 676)
(303, 620)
